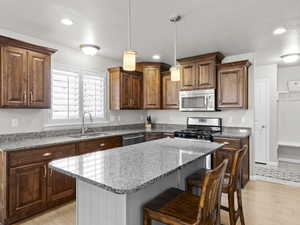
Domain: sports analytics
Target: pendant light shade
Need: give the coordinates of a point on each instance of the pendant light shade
(129, 56)
(175, 73)
(175, 69)
(129, 60)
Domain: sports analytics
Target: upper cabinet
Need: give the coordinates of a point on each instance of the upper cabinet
(199, 72)
(233, 85)
(170, 89)
(25, 75)
(125, 89)
(152, 83)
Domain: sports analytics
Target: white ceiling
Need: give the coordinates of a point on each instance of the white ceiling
(228, 26)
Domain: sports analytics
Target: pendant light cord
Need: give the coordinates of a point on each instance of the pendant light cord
(129, 25)
(175, 43)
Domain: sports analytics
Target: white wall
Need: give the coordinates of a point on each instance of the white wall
(36, 119)
(269, 72)
(231, 118)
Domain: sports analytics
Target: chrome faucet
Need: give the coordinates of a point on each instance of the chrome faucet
(83, 127)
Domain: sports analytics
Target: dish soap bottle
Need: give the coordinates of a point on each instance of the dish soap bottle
(148, 124)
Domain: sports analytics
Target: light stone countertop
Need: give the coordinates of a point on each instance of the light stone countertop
(30, 143)
(127, 169)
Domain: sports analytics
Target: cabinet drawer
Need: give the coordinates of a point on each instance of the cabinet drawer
(19, 158)
(229, 143)
(99, 144)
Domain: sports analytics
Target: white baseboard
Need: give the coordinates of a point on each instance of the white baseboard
(289, 160)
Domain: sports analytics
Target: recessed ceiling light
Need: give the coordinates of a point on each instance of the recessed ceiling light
(89, 49)
(156, 57)
(67, 22)
(291, 58)
(279, 30)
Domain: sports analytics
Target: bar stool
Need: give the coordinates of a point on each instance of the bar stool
(231, 185)
(176, 207)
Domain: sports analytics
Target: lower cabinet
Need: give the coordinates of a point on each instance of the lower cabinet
(27, 190)
(29, 186)
(60, 188)
(150, 136)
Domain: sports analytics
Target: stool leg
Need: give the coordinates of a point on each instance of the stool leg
(189, 188)
(147, 219)
(240, 205)
(231, 208)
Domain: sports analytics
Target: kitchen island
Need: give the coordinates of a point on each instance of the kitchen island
(113, 186)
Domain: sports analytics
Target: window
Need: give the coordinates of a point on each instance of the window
(74, 92)
(65, 95)
(93, 97)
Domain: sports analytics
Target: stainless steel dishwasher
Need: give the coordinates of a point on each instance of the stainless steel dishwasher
(132, 139)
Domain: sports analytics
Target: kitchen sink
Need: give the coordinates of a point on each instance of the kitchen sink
(88, 135)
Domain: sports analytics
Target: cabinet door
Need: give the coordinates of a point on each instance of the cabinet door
(61, 188)
(152, 88)
(136, 92)
(206, 74)
(232, 88)
(39, 80)
(126, 86)
(188, 77)
(170, 93)
(27, 189)
(14, 77)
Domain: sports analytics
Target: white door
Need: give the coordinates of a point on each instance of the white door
(261, 115)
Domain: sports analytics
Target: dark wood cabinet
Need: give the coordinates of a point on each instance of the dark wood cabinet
(14, 77)
(227, 152)
(233, 85)
(39, 80)
(27, 189)
(170, 89)
(60, 188)
(152, 83)
(199, 72)
(29, 186)
(99, 144)
(25, 75)
(188, 76)
(125, 89)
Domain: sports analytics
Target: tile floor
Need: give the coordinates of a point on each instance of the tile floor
(284, 171)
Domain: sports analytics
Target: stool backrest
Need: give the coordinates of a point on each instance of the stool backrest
(211, 191)
(236, 167)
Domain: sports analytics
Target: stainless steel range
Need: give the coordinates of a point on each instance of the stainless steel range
(200, 128)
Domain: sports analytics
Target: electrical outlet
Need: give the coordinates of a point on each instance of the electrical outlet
(142, 118)
(14, 122)
(119, 118)
(112, 118)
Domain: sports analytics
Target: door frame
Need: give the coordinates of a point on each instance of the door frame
(267, 122)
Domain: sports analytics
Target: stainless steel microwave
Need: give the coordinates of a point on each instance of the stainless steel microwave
(197, 100)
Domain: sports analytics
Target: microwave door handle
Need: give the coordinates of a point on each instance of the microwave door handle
(205, 102)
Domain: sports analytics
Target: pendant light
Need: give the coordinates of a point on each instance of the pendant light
(129, 57)
(175, 69)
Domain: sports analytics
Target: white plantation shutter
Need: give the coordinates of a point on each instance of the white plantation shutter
(93, 95)
(65, 95)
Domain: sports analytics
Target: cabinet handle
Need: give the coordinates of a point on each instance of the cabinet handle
(47, 154)
(102, 145)
(25, 96)
(30, 96)
(45, 171)
(51, 172)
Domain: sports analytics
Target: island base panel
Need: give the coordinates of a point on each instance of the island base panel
(96, 206)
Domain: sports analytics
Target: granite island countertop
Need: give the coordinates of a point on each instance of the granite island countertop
(127, 169)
